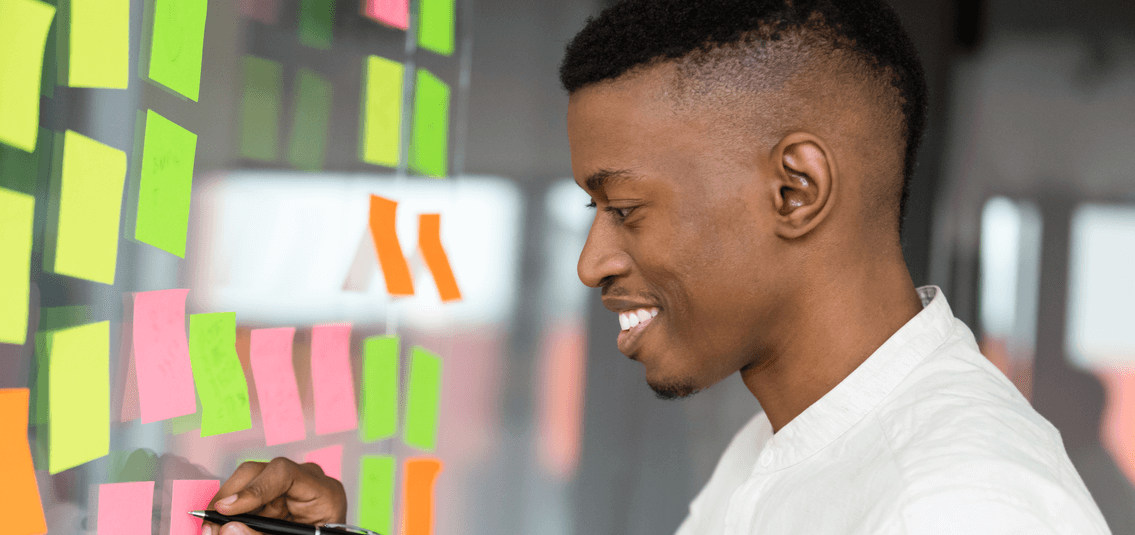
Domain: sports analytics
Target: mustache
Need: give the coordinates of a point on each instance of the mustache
(610, 290)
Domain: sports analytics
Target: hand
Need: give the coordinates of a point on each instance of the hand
(279, 489)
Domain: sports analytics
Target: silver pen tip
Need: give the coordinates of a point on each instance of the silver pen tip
(198, 514)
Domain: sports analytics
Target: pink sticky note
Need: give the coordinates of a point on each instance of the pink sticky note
(332, 383)
(161, 355)
(330, 459)
(394, 13)
(126, 508)
(270, 351)
(190, 495)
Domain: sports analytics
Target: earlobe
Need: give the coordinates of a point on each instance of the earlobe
(804, 182)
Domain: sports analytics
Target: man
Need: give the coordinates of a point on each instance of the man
(749, 162)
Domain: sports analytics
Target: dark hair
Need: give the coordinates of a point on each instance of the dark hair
(638, 33)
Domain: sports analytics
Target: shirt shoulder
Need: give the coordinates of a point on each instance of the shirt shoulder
(734, 466)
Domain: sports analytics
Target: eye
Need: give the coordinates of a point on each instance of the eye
(621, 213)
(591, 204)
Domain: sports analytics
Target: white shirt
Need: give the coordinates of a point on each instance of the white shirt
(926, 436)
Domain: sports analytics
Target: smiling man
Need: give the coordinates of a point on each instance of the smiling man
(748, 162)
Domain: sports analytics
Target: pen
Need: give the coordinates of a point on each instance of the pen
(275, 526)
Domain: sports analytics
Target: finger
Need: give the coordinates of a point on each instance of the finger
(240, 478)
(236, 528)
(274, 481)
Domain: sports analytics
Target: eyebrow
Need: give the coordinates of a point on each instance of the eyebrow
(603, 177)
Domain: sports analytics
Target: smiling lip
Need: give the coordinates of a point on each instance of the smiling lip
(630, 338)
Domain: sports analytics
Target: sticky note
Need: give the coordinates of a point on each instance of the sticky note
(311, 119)
(383, 215)
(126, 508)
(380, 388)
(260, 109)
(429, 144)
(165, 184)
(423, 398)
(395, 13)
(317, 20)
(332, 383)
(98, 43)
(376, 493)
(189, 495)
(270, 351)
(220, 381)
(436, 26)
(85, 222)
(17, 215)
(176, 45)
(429, 242)
(78, 361)
(23, 36)
(20, 506)
(330, 459)
(161, 355)
(417, 495)
(381, 126)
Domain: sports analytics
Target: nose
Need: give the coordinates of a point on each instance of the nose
(601, 258)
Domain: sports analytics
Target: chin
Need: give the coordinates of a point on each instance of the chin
(673, 388)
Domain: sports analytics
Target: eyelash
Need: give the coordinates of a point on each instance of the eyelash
(619, 212)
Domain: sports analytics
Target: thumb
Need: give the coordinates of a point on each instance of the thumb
(271, 483)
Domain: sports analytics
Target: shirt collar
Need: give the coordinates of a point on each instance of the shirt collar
(860, 392)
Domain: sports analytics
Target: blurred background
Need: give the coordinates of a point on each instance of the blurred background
(1022, 210)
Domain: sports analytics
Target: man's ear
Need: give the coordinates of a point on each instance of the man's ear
(804, 177)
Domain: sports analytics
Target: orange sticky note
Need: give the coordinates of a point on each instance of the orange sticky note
(429, 241)
(19, 494)
(382, 229)
(418, 488)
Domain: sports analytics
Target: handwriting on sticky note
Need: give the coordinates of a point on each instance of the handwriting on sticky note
(90, 201)
(311, 119)
(380, 388)
(217, 372)
(23, 37)
(78, 361)
(161, 355)
(126, 508)
(429, 146)
(394, 13)
(383, 216)
(189, 495)
(17, 212)
(417, 495)
(177, 44)
(20, 505)
(332, 383)
(382, 111)
(423, 398)
(165, 183)
(99, 41)
(270, 352)
(330, 459)
(429, 241)
(376, 493)
(436, 26)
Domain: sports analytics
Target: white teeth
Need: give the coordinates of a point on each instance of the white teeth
(624, 322)
(634, 319)
(643, 315)
(653, 312)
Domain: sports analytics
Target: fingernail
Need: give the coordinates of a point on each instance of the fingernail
(228, 501)
(207, 530)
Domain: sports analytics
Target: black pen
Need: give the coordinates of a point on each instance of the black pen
(275, 526)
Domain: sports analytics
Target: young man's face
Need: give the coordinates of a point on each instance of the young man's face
(682, 228)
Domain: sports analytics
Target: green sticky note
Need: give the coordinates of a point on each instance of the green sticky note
(423, 399)
(382, 111)
(98, 43)
(380, 388)
(311, 118)
(376, 493)
(165, 184)
(86, 209)
(78, 395)
(176, 45)
(55, 318)
(217, 372)
(435, 26)
(429, 146)
(260, 109)
(20, 170)
(17, 213)
(317, 18)
(23, 36)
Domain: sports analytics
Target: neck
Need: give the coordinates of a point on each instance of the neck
(836, 324)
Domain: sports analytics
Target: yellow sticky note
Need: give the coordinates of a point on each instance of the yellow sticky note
(99, 43)
(381, 123)
(78, 395)
(23, 35)
(89, 205)
(16, 216)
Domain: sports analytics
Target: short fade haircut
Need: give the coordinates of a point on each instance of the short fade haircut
(635, 34)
